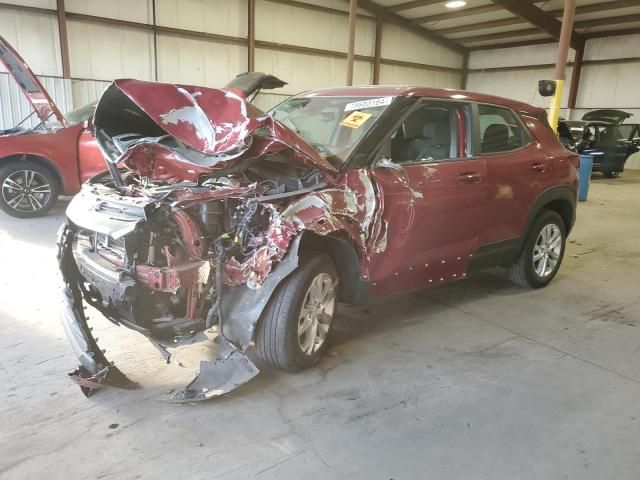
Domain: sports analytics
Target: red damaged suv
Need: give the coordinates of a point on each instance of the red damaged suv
(218, 219)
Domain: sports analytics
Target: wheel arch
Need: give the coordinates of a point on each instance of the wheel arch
(353, 288)
(40, 160)
(561, 200)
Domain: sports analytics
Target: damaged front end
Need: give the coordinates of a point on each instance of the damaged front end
(195, 225)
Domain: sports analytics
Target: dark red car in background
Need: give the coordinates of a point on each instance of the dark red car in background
(52, 158)
(216, 215)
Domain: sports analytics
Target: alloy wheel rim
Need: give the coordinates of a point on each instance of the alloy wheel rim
(316, 314)
(547, 249)
(26, 191)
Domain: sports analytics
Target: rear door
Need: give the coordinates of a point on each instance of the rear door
(613, 145)
(433, 196)
(517, 172)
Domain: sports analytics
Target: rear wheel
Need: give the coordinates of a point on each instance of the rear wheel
(294, 328)
(27, 189)
(542, 252)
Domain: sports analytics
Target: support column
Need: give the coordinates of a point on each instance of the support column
(64, 42)
(155, 41)
(377, 55)
(561, 61)
(465, 71)
(353, 10)
(575, 77)
(251, 35)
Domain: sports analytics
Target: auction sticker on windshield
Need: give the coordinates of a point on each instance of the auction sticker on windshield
(374, 102)
(355, 119)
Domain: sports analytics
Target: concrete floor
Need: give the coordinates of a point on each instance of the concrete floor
(477, 380)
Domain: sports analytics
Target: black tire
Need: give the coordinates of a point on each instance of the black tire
(33, 203)
(277, 339)
(523, 270)
(611, 174)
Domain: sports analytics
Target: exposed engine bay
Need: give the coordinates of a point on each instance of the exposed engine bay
(195, 224)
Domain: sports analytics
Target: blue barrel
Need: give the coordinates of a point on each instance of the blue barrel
(586, 164)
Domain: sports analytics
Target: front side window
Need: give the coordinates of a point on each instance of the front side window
(332, 125)
(500, 130)
(431, 133)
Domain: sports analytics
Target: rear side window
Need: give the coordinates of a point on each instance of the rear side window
(500, 130)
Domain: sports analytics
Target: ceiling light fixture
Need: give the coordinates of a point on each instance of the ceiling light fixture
(455, 4)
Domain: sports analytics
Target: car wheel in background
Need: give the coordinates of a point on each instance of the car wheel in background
(610, 174)
(542, 252)
(293, 330)
(27, 189)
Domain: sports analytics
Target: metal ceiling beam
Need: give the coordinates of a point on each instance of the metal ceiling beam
(598, 22)
(594, 8)
(613, 33)
(391, 17)
(456, 14)
(543, 41)
(464, 12)
(413, 4)
(522, 43)
(540, 19)
(524, 32)
(501, 35)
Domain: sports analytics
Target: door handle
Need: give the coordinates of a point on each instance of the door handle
(470, 177)
(537, 167)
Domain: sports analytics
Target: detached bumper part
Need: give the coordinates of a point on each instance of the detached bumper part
(242, 309)
(217, 378)
(90, 375)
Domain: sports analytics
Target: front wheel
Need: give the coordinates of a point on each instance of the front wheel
(611, 174)
(542, 252)
(293, 330)
(27, 189)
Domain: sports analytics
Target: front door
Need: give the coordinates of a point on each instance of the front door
(434, 199)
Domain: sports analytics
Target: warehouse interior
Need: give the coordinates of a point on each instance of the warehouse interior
(475, 379)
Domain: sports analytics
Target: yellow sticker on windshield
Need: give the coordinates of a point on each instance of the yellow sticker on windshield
(355, 119)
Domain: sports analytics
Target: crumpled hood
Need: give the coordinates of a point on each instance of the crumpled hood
(218, 126)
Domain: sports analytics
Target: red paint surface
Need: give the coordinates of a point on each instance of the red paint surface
(60, 151)
(71, 152)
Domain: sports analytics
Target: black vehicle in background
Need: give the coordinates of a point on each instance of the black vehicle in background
(602, 134)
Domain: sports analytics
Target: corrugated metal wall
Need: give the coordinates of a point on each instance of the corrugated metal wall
(601, 86)
(611, 85)
(14, 105)
(101, 52)
(520, 84)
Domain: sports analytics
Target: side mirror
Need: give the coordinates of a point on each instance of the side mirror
(386, 162)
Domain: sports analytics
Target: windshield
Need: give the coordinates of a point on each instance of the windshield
(79, 115)
(332, 125)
